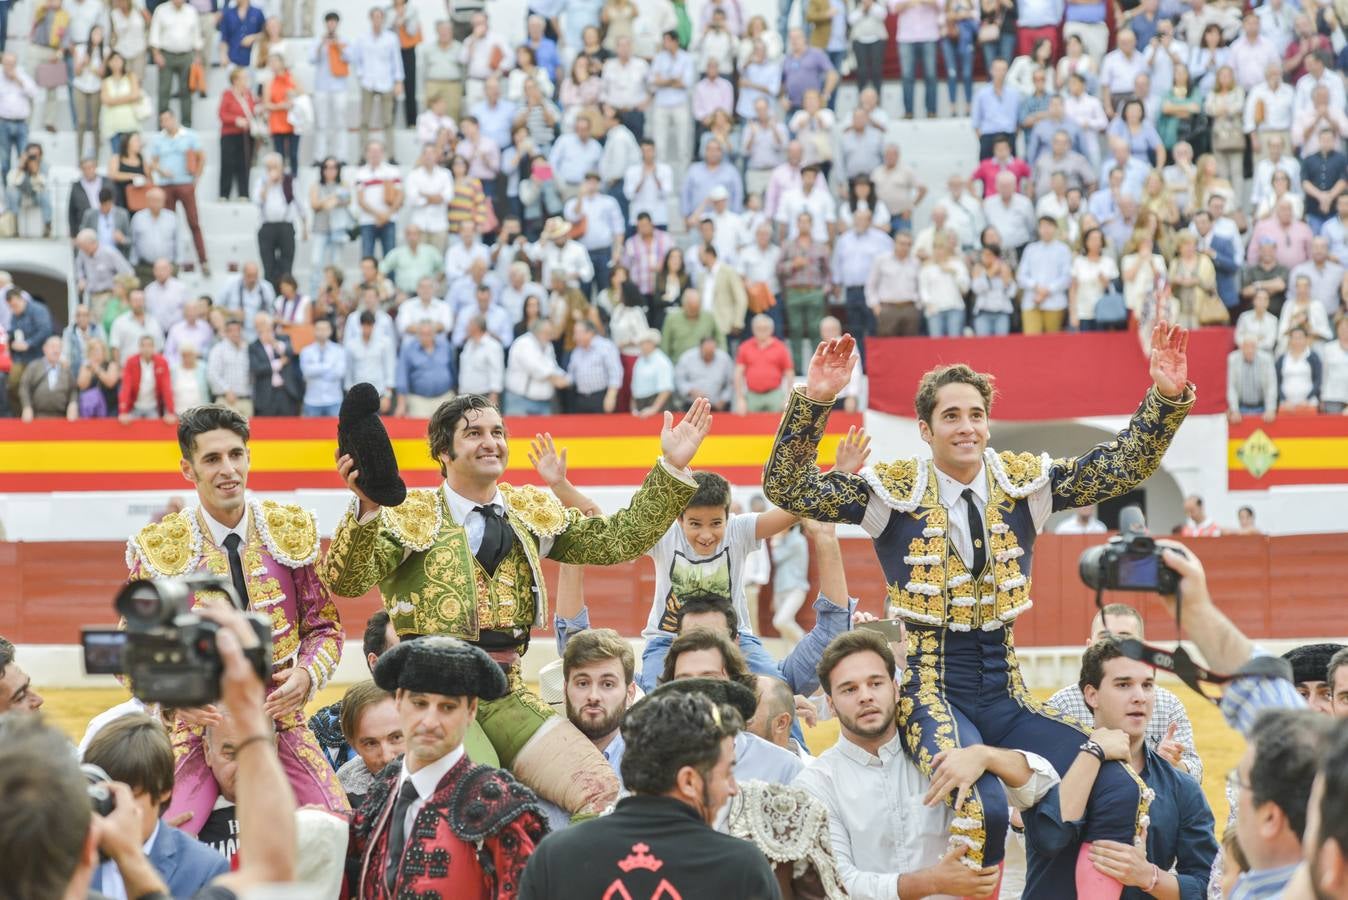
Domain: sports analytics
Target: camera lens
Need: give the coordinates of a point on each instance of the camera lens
(1089, 566)
(143, 606)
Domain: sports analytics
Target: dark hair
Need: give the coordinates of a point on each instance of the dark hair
(671, 34)
(358, 698)
(665, 733)
(1336, 662)
(200, 419)
(105, 194)
(1093, 663)
(1287, 745)
(1122, 609)
(1334, 790)
(366, 317)
(707, 602)
(135, 750)
(332, 17)
(289, 279)
(6, 655)
(598, 645)
(47, 811)
(445, 421)
(939, 377)
(736, 668)
(712, 490)
(849, 643)
(375, 639)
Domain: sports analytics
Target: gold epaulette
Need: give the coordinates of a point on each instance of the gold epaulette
(168, 548)
(537, 509)
(900, 484)
(289, 531)
(416, 521)
(1019, 474)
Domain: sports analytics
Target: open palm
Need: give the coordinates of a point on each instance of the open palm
(1169, 355)
(550, 464)
(830, 368)
(679, 443)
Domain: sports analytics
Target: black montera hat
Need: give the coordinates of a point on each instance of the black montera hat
(439, 664)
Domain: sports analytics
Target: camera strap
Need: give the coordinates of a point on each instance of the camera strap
(1178, 662)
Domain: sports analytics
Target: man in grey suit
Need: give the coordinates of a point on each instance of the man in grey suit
(47, 387)
(84, 193)
(110, 222)
(135, 751)
(1251, 382)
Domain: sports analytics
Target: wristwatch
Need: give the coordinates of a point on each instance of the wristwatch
(1093, 749)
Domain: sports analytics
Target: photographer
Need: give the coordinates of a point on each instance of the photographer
(49, 839)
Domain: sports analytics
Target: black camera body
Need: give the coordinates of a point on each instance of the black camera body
(167, 651)
(1127, 562)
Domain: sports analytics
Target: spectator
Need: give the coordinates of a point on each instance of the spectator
(723, 292)
(411, 262)
(1303, 312)
(191, 330)
(1324, 179)
(111, 223)
(705, 371)
(176, 159)
(1275, 98)
(600, 219)
(1193, 282)
(246, 295)
(1093, 274)
(493, 314)
(377, 56)
(165, 296)
(594, 371)
(135, 323)
(1085, 521)
(482, 362)
(532, 375)
(147, 385)
(1300, 374)
(1062, 159)
(1265, 274)
(1197, 523)
(706, 181)
(1011, 213)
(228, 371)
(804, 274)
(240, 28)
(1251, 381)
(1326, 276)
(95, 268)
(942, 282)
(689, 326)
(77, 335)
(279, 210)
(559, 252)
(378, 190)
(996, 110)
(763, 370)
(331, 59)
(324, 367)
(426, 373)
(47, 387)
(27, 187)
(806, 68)
(84, 194)
(671, 82)
(1292, 237)
(98, 381)
(18, 93)
(371, 358)
(1334, 364)
(277, 384)
(892, 290)
(652, 385)
(994, 288)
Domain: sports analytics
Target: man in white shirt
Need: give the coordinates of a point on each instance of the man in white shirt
(462, 252)
(379, 196)
(890, 825)
(371, 357)
(557, 251)
(430, 187)
(424, 307)
(379, 69)
(1082, 521)
(175, 41)
(624, 87)
(621, 153)
(648, 187)
(166, 295)
(482, 362)
(811, 197)
(532, 376)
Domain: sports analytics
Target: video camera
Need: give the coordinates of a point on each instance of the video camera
(167, 651)
(1129, 561)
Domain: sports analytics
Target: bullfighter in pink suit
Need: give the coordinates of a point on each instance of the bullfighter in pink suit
(268, 550)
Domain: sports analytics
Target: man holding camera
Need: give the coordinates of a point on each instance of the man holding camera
(50, 839)
(465, 560)
(955, 537)
(268, 551)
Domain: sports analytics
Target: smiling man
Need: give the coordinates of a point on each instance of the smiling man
(435, 824)
(464, 560)
(955, 537)
(268, 550)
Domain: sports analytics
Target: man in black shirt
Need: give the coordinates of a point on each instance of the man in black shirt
(659, 842)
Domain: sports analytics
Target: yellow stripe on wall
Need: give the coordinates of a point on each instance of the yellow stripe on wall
(1298, 453)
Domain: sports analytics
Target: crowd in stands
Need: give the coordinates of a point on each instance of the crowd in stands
(595, 216)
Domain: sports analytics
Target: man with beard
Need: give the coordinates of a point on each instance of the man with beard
(598, 669)
(659, 841)
(906, 852)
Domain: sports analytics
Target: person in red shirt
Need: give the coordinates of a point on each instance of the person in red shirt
(763, 370)
(147, 387)
(1000, 161)
(1196, 521)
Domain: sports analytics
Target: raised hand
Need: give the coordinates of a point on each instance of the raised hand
(853, 451)
(1169, 355)
(1171, 749)
(679, 443)
(346, 468)
(544, 457)
(830, 369)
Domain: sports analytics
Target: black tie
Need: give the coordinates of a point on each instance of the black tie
(232, 542)
(497, 538)
(397, 836)
(975, 533)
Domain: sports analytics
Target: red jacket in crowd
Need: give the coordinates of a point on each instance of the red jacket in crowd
(163, 385)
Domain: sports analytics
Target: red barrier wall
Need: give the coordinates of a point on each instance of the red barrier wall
(1047, 376)
(1283, 587)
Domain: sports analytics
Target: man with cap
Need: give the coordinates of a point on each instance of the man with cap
(679, 767)
(1310, 667)
(435, 824)
(465, 559)
(556, 250)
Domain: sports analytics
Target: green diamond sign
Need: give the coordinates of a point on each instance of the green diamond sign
(1258, 453)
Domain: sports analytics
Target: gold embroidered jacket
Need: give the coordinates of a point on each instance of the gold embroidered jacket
(432, 584)
(928, 582)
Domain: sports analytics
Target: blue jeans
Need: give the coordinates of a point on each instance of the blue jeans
(908, 58)
(1002, 48)
(386, 234)
(312, 410)
(1316, 221)
(900, 222)
(13, 138)
(515, 405)
(14, 200)
(987, 324)
(946, 324)
(783, 18)
(657, 647)
(958, 54)
(288, 145)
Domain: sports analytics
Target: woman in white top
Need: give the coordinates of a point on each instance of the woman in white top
(1144, 273)
(1207, 58)
(813, 125)
(272, 42)
(1258, 323)
(526, 69)
(1334, 377)
(1302, 309)
(90, 58)
(941, 284)
(994, 286)
(1075, 61)
(189, 379)
(757, 30)
(1092, 274)
(1266, 201)
(119, 100)
(1299, 374)
(1021, 74)
(127, 23)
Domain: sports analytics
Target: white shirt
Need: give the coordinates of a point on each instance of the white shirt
(425, 781)
(110, 877)
(531, 366)
(174, 29)
(464, 512)
(482, 366)
(819, 204)
(413, 312)
(432, 218)
(957, 514)
(681, 569)
(879, 825)
(219, 531)
(1073, 526)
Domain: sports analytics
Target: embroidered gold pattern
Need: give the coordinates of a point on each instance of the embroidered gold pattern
(791, 477)
(289, 532)
(538, 510)
(166, 549)
(416, 521)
